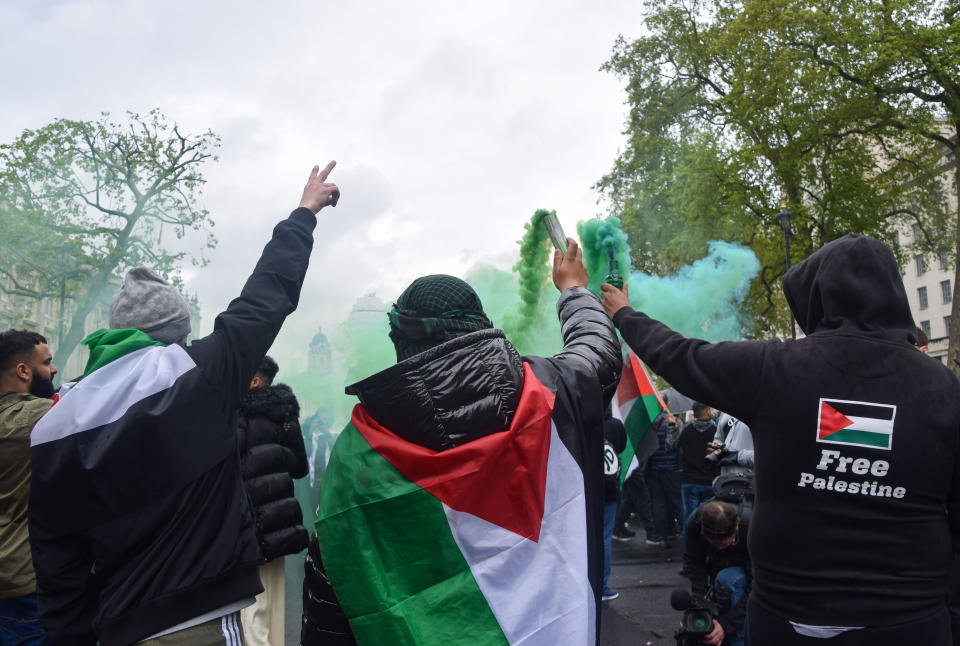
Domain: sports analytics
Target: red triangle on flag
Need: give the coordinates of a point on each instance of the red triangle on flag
(644, 382)
(634, 381)
(628, 388)
(831, 420)
(501, 477)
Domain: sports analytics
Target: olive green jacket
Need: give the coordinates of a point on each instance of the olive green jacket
(18, 413)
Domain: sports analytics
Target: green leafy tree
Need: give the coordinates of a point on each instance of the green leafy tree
(904, 57)
(81, 202)
(726, 119)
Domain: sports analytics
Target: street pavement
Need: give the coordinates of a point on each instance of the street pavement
(293, 569)
(644, 575)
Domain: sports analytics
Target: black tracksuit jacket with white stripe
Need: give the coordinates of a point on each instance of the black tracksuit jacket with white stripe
(825, 552)
(138, 518)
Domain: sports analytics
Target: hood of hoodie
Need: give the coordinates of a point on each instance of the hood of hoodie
(851, 285)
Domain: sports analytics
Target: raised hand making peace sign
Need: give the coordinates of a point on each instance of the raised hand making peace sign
(318, 193)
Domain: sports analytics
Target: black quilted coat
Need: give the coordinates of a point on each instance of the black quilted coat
(272, 455)
(457, 392)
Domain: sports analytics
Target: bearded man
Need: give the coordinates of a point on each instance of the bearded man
(26, 385)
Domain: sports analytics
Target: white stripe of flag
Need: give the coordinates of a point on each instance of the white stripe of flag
(871, 425)
(106, 395)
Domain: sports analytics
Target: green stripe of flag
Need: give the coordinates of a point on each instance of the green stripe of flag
(638, 422)
(391, 557)
(109, 345)
(853, 436)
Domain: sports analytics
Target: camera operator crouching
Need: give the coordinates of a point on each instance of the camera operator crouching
(718, 562)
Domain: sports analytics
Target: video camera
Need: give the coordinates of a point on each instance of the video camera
(696, 622)
(717, 453)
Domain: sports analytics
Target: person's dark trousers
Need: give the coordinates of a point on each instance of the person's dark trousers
(609, 513)
(635, 499)
(666, 501)
(20, 623)
(765, 627)
(693, 496)
(734, 579)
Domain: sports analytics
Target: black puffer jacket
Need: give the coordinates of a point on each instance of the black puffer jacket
(271, 457)
(464, 389)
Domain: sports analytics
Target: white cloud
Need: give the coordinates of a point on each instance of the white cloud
(451, 122)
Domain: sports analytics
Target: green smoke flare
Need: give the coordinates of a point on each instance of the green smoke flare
(599, 237)
(533, 314)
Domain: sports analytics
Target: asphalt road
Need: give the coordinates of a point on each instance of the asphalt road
(644, 575)
(294, 591)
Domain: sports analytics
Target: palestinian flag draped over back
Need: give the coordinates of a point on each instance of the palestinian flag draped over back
(484, 543)
(636, 403)
(109, 427)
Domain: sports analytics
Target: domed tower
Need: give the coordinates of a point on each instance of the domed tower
(319, 356)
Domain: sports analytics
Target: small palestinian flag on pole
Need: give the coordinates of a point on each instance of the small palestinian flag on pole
(856, 423)
(636, 403)
(484, 543)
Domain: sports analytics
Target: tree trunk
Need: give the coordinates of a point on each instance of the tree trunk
(953, 348)
(76, 331)
(93, 292)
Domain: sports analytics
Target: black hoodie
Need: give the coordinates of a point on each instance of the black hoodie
(854, 518)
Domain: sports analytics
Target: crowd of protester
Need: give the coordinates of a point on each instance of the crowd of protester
(473, 496)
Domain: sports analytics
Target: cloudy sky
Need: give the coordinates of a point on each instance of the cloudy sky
(451, 122)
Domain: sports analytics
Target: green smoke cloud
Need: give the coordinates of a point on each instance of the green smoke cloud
(701, 300)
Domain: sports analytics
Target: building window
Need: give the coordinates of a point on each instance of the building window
(921, 265)
(922, 297)
(925, 326)
(946, 291)
(946, 324)
(917, 233)
(944, 261)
